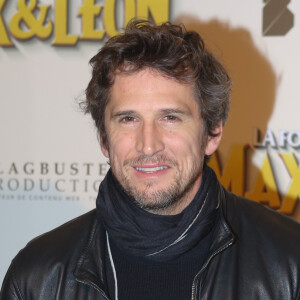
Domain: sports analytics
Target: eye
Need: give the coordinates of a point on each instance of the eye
(128, 119)
(171, 118)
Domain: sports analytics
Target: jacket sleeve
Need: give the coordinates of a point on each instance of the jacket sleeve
(10, 289)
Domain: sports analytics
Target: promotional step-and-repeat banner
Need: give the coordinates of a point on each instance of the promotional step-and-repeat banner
(51, 164)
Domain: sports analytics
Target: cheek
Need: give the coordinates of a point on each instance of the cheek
(185, 144)
(120, 145)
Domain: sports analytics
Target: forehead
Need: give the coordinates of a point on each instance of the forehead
(150, 89)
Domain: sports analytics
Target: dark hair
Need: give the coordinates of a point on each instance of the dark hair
(172, 51)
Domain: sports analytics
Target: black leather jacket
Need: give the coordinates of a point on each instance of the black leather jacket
(255, 255)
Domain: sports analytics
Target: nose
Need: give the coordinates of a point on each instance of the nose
(149, 140)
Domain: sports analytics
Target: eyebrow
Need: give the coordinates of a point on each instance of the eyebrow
(174, 111)
(123, 113)
(164, 111)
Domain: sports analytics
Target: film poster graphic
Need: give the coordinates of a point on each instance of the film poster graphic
(274, 181)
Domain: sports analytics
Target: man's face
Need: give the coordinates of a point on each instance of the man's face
(155, 140)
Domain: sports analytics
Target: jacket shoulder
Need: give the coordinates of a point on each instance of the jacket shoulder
(256, 221)
(51, 255)
(265, 253)
(59, 243)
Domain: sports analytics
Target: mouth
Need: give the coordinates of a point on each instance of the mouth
(151, 170)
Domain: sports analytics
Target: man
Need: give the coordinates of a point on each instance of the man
(164, 228)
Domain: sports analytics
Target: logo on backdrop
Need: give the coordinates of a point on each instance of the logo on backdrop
(277, 18)
(278, 148)
(31, 20)
(50, 180)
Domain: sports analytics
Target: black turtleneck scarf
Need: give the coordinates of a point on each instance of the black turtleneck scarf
(146, 245)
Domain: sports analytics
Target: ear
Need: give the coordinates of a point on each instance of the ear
(214, 141)
(104, 147)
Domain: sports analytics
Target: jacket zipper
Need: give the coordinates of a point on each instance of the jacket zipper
(206, 264)
(93, 286)
(193, 286)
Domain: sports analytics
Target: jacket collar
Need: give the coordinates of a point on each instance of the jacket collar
(91, 267)
(223, 235)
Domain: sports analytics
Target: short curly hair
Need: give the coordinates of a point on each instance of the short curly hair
(173, 52)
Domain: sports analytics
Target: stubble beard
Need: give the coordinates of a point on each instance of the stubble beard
(158, 200)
